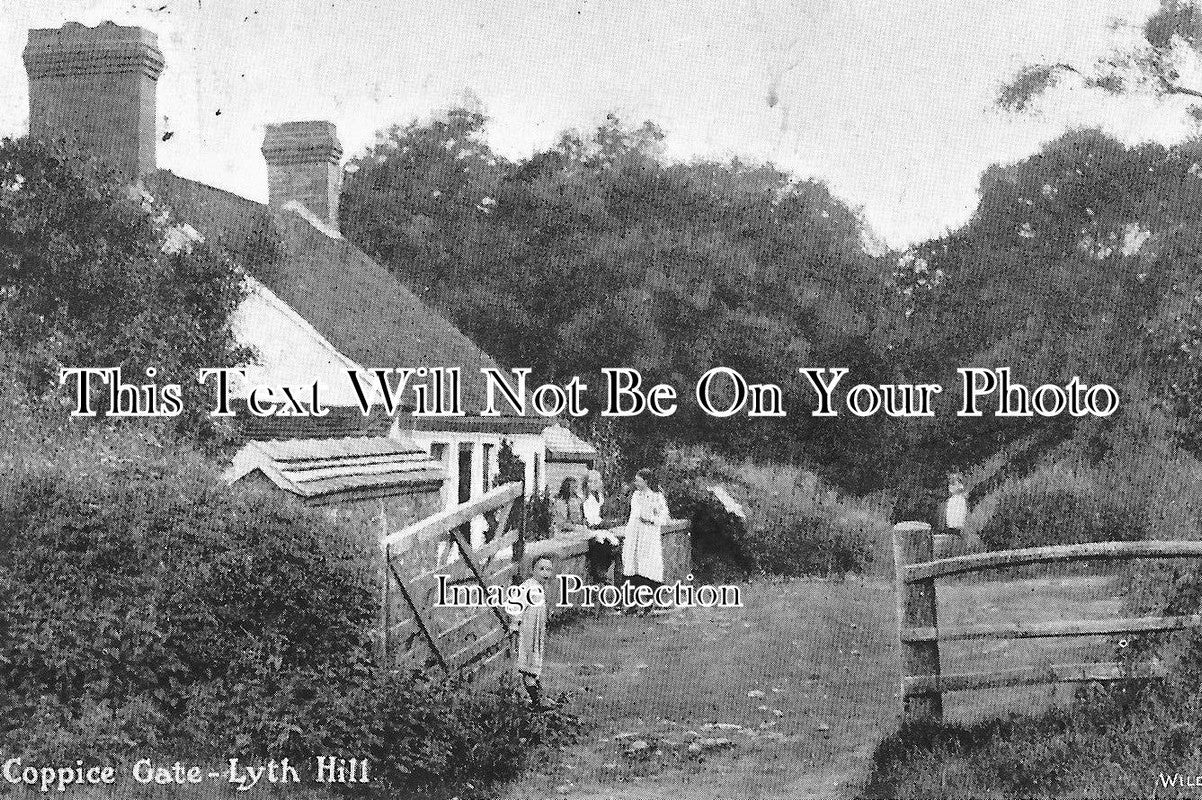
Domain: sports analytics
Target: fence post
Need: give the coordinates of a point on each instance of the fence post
(386, 611)
(386, 596)
(912, 544)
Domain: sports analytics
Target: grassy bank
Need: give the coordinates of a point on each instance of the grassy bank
(1108, 744)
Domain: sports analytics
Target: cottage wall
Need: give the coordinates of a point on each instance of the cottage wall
(373, 515)
(387, 514)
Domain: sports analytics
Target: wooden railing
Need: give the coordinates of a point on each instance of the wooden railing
(923, 684)
(415, 629)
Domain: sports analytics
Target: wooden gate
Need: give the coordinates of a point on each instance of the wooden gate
(923, 684)
(416, 629)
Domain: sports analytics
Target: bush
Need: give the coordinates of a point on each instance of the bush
(137, 579)
(793, 525)
(1112, 742)
(811, 544)
(442, 738)
(90, 277)
(151, 609)
(1059, 505)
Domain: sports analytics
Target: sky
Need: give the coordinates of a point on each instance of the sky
(888, 101)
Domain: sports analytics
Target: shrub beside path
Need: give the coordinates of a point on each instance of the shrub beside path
(786, 697)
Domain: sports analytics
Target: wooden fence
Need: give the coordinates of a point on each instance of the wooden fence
(416, 629)
(923, 684)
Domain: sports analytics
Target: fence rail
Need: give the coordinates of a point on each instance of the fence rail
(1093, 551)
(919, 631)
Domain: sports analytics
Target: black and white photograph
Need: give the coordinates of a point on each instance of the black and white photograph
(600, 399)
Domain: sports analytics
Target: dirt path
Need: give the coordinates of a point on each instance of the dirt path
(786, 697)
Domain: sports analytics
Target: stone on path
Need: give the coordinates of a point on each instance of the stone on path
(638, 746)
(713, 743)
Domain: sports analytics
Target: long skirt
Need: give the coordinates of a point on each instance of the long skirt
(643, 551)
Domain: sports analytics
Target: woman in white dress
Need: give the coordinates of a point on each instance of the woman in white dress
(642, 548)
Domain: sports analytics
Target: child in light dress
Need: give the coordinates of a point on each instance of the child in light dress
(530, 623)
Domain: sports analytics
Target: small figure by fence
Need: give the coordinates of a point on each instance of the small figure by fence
(923, 683)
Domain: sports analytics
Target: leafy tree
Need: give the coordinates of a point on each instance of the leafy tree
(597, 252)
(94, 274)
(418, 199)
(1080, 260)
(1168, 45)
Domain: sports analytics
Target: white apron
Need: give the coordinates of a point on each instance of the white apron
(643, 547)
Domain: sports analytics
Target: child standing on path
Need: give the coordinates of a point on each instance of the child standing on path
(530, 622)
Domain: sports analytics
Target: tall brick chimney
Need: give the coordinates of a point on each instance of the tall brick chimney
(96, 85)
(302, 164)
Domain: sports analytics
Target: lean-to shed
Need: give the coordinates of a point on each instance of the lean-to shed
(386, 481)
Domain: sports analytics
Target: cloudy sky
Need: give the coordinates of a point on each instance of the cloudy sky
(888, 101)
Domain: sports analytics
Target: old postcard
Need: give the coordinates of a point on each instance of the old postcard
(600, 399)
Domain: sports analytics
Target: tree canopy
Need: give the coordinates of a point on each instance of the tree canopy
(598, 252)
(1161, 60)
(1082, 259)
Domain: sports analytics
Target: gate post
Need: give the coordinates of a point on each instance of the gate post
(912, 544)
(519, 546)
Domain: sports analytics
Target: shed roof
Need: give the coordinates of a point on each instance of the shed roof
(352, 301)
(326, 470)
(564, 445)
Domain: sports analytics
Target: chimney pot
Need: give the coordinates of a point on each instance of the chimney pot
(303, 165)
(96, 85)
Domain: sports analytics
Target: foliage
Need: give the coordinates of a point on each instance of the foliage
(151, 609)
(1151, 61)
(93, 273)
(720, 550)
(438, 738)
(1175, 336)
(538, 515)
(598, 252)
(139, 582)
(1111, 743)
(510, 466)
(1058, 506)
(793, 525)
(1118, 478)
(1079, 261)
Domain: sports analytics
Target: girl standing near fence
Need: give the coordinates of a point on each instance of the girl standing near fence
(643, 549)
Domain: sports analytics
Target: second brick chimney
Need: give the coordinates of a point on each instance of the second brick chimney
(302, 165)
